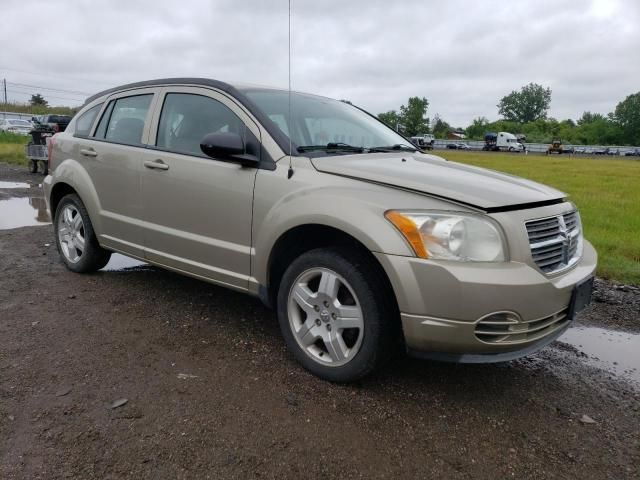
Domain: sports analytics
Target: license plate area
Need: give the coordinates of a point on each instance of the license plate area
(581, 297)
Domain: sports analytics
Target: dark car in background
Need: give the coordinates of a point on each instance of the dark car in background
(57, 122)
(635, 152)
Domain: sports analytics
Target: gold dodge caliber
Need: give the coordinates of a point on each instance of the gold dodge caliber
(358, 240)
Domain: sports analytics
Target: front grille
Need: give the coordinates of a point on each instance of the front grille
(555, 241)
(506, 328)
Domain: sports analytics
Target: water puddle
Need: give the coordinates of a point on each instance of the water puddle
(23, 212)
(614, 351)
(15, 185)
(119, 263)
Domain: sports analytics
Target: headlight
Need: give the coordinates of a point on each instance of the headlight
(443, 236)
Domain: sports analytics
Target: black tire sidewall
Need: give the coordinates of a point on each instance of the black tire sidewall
(94, 257)
(357, 271)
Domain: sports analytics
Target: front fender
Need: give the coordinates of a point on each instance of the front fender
(311, 197)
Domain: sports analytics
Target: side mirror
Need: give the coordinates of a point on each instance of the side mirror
(227, 146)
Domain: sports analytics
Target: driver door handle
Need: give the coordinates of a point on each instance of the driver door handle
(156, 165)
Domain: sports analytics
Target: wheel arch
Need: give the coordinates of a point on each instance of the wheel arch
(71, 177)
(58, 191)
(305, 237)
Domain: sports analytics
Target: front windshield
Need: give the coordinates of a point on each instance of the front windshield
(319, 121)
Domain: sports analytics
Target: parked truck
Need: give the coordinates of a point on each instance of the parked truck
(424, 142)
(502, 141)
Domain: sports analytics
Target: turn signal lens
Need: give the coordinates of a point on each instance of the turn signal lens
(409, 230)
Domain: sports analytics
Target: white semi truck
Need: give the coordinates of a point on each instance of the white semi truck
(502, 141)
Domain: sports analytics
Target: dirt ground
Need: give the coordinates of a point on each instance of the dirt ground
(211, 392)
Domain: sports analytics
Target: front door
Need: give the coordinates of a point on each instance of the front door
(197, 210)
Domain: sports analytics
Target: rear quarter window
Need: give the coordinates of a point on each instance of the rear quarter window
(86, 120)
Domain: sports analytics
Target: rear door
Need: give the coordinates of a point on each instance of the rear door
(197, 209)
(112, 155)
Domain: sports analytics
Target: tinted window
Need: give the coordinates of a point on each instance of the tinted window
(124, 120)
(187, 118)
(85, 121)
(59, 119)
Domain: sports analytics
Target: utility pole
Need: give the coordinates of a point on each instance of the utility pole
(4, 83)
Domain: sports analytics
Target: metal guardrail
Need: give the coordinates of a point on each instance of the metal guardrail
(534, 147)
(17, 116)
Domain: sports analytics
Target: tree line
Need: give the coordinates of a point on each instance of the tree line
(525, 112)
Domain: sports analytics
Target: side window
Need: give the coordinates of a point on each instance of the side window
(123, 120)
(85, 121)
(186, 118)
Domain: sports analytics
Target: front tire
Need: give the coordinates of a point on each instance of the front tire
(335, 314)
(75, 238)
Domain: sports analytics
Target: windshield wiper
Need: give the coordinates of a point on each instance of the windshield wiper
(343, 147)
(391, 148)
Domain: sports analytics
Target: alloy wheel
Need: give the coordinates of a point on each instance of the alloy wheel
(71, 233)
(325, 317)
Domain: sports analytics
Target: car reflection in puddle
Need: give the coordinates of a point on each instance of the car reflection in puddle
(611, 350)
(23, 212)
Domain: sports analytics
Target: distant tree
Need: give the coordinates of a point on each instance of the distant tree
(477, 128)
(440, 127)
(391, 118)
(413, 116)
(627, 116)
(588, 117)
(38, 100)
(524, 106)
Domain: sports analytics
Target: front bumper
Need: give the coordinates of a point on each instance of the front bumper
(442, 303)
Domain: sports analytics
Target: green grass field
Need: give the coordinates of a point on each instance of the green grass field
(606, 191)
(12, 148)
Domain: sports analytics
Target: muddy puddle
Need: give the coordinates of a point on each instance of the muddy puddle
(610, 350)
(23, 212)
(119, 263)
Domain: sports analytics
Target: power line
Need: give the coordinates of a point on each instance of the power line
(28, 90)
(48, 75)
(18, 92)
(40, 87)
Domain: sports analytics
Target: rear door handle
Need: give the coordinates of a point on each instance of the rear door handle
(156, 164)
(89, 152)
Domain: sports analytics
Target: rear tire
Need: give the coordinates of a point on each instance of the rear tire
(336, 314)
(75, 238)
(33, 166)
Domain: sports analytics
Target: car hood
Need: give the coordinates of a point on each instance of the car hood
(473, 186)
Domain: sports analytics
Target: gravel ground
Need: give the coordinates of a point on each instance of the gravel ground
(211, 391)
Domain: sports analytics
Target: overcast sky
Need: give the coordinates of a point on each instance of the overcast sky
(462, 55)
